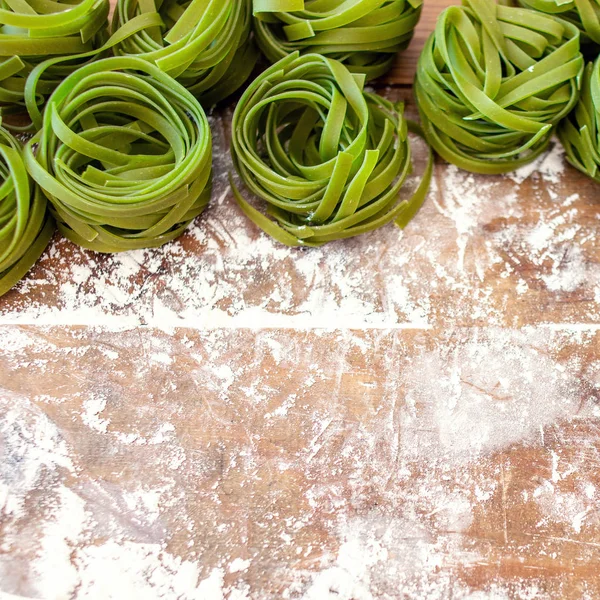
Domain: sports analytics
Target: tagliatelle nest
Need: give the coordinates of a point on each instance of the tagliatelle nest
(580, 132)
(25, 225)
(584, 14)
(493, 81)
(363, 34)
(206, 46)
(328, 160)
(36, 30)
(124, 156)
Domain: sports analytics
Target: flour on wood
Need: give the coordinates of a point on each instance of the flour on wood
(354, 452)
(473, 233)
(393, 498)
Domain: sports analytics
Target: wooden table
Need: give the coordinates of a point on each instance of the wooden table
(404, 415)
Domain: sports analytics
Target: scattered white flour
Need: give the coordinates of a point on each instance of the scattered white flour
(472, 232)
(350, 578)
(393, 497)
(161, 357)
(32, 448)
(146, 504)
(332, 483)
(502, 381)
(549, 166)
(92, 409)
(55, 574)
(381, 555)
(239, 564)
(116, 571)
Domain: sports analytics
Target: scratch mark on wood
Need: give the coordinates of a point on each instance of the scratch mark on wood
(504, 486)
(562, 539)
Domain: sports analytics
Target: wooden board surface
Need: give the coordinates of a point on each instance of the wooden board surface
(405, 415)
(403, 71)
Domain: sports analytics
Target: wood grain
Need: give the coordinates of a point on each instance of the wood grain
(403, 71)
(405, 415)
(338, 445)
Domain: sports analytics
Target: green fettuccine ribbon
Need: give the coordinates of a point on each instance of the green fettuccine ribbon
(328, 159)
(205, 44)
(363, 34)
(25, 225)
(580, 131)
(584, 14)
(124, 156)
(493, 81)
(34, 30)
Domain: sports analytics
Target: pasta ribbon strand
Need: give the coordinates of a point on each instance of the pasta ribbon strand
(493, 82)
(327, 159)
(124, 156)
(363, 34)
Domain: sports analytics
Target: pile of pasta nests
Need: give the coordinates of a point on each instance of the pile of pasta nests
(118, 150)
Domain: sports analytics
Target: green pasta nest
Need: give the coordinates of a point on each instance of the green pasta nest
(584, 14)
(124, 156)
(205, 44)
(363, 34)
(327, 159)
(492, 82)
(35, 30)
(580, 132)
(25, 225)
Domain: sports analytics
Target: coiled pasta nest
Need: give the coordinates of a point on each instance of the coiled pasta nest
(25, 225)
(493, 81)
(206, 46)
(124, 156)
(36, 30)
(327, 160)
(363, 34)
(580, 132)
(584, 14)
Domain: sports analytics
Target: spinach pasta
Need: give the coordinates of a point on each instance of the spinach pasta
(124, 156)
(580, 132)
(584, 14)
(33, 31)
(205, 44)
(328, 160)
(493, 81)
(364, 34)
(25, 225)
